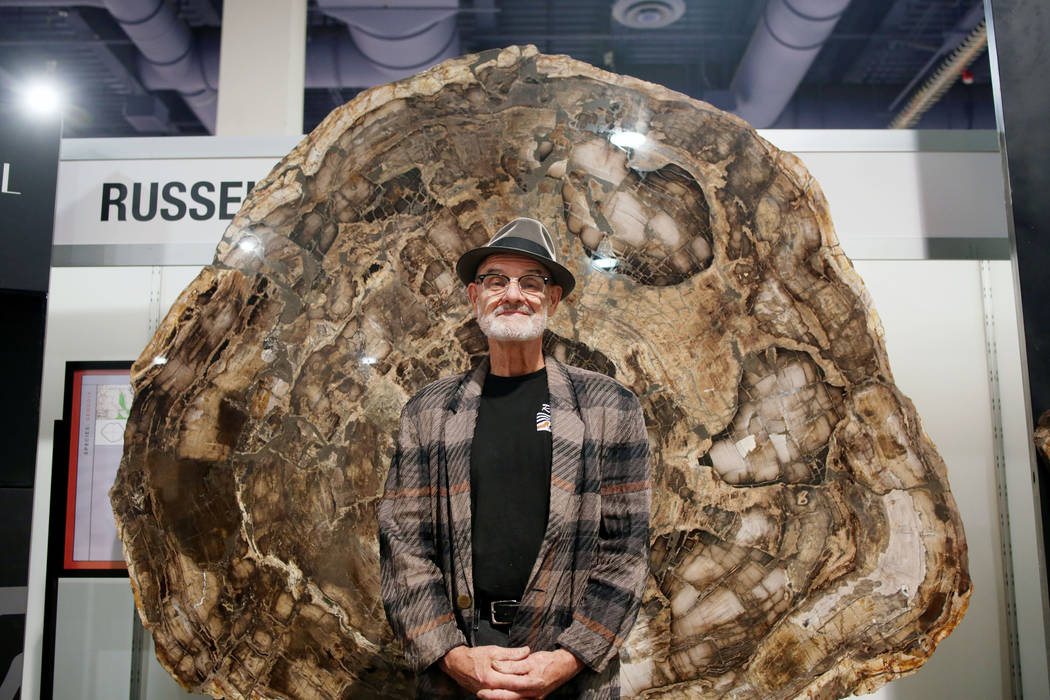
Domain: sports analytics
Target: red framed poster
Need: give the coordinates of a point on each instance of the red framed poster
(99, 402)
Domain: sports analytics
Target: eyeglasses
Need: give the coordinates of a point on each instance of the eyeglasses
(528, 284)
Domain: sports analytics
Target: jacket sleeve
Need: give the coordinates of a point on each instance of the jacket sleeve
(610, 602)
(414, 596)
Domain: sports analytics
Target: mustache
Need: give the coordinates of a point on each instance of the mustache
(506, 308)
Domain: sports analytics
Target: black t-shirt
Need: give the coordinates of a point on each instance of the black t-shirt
(510, 472)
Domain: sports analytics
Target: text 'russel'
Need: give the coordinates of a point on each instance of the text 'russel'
(173, 201)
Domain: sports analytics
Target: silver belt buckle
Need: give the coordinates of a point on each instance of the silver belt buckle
(495, 618)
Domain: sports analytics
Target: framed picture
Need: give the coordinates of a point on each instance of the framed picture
(97, 404)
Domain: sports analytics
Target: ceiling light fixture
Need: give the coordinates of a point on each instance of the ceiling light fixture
(648, 14)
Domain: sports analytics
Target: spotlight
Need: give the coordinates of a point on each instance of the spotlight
(42, 98)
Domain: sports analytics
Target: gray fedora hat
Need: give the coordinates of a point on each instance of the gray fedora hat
(521, 236)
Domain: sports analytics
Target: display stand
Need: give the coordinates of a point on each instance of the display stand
(70, 556)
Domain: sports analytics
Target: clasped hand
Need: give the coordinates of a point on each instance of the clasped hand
(497, 673)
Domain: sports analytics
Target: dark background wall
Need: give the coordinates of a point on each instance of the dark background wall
(28, 172)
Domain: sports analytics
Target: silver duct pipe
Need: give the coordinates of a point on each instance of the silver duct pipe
(391, 40)
(166, 47)
(331, 62)
(334, 62)
(783, 47)
(400, 36)
(154, 77)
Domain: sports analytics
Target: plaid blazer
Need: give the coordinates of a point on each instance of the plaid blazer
(586, 585)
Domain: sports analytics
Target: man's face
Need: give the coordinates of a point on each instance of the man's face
(511, 314)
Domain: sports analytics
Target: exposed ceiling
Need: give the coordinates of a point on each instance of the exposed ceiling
(878, 53)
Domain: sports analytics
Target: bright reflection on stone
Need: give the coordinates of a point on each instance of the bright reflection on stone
(604, 257)
(627, 139)
(249, 243)
(805, 540)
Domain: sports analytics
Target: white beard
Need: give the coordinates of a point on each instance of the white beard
(513, 327)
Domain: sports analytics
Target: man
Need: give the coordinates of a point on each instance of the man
(514, 527)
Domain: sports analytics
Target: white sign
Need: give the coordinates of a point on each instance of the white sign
(158, 201)
(102, 402)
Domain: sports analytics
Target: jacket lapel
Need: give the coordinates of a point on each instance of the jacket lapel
(566, 448)
(567, 432)
(458, 435)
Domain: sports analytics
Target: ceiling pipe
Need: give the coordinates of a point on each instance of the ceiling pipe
(338, 62)
(154, 77)
(786, 41)
(166, 46)
(401, 37)
(391, 40)
(331, 62)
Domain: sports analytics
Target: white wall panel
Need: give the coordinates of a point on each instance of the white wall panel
(96, 313)
(930, 195)
(94, 653)
(934, 323)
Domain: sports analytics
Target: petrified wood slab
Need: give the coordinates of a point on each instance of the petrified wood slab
(1042, 438)
(804, 537)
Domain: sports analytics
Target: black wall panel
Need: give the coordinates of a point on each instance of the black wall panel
(28, 173)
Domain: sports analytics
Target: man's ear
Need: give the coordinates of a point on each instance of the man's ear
(472, 294)
(555, 296)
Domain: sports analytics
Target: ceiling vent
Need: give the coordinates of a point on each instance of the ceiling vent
(647, 14)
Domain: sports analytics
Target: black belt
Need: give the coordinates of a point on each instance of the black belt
(498, 611)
